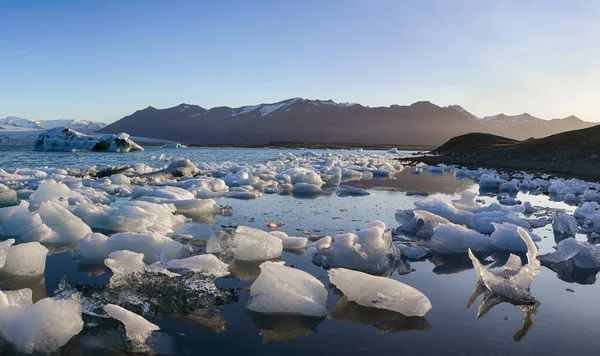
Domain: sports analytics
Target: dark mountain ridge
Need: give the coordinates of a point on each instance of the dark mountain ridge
(303, 120)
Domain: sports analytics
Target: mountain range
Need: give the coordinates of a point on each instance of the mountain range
(13, 122)
(304, 120)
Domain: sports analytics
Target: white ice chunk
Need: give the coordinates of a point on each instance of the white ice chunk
(205, 264)
(67, 227)
(506, 237)
(380, 292)
(27, 259)
(454, 239)
(285, 290)
(152, 245)
(53, 191)
(290, 242)
(246, 244)
(137, 328)
(564, 225)
(44, 326)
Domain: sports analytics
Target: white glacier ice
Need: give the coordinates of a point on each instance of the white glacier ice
(27, 259)
(290, 242)
(245, 244)
(137, 328)
(284, 290)
(96, 246)
(512, 286)
(380, 292)
(44, 326)
(65, 139)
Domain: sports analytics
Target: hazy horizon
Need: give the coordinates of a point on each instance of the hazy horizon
(103, 61)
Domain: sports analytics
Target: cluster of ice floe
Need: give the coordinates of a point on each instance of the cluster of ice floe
(125, 218)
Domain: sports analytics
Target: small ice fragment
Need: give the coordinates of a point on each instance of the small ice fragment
(290, 242)
(137, 328)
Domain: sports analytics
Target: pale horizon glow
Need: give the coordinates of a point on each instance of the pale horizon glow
(104, 60)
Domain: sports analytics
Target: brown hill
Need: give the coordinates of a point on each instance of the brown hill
(573, 153)
(302, 120)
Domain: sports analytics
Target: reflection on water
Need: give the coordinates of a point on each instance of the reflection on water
(280, 328)
(247, 270)
(490, 300)
(452, 264)
(407, 181)
(37, 284)
(385, 321)
(205, 319)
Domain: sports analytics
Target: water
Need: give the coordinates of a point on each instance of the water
(564, 323)
(22, 156)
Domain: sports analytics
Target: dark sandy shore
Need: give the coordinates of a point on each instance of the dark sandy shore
(565, 167)
(571, 154)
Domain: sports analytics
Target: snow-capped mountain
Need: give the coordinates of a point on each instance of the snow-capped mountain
(14, 121)
(77, 125)
(525, 125)
(305, 120)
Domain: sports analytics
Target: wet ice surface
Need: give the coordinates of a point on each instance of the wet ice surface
(448, 282)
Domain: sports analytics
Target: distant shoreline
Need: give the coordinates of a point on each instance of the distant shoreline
(320, 145)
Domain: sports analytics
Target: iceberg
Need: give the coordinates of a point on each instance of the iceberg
(245, 244)
(285, 290)
(369, 250)
(96, 246)
(579, 254)
(452, 239)
(513, 282)
(564, 226)
(27, 259)
(173, 145)
(65, 139)
(380, 292)
(44, 326)
(290, 242)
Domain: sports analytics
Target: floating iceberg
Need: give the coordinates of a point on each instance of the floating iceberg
(380, 292)
(369, 250)
(245, 244)
(579, 254)
(28, 259)
(65, 139)
(512, 283)
(173, 145)
(96, 246)
(452, 239)
(285, 290)
(422, 224)
(290, 242)
(564, 226)
(44, 326)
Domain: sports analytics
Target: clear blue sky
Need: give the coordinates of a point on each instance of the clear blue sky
(101, 60)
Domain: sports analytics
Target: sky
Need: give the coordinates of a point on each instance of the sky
(102, 60)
